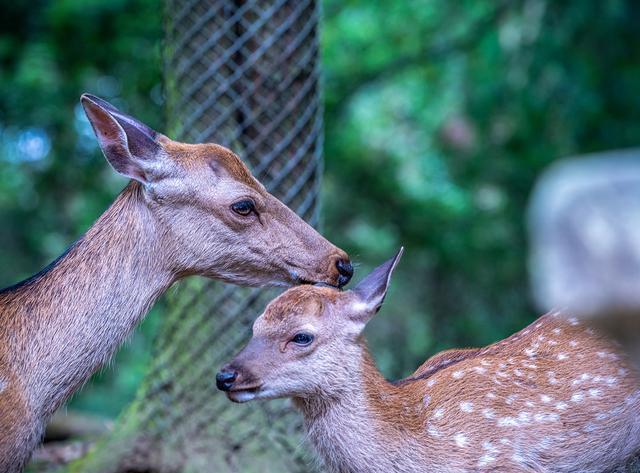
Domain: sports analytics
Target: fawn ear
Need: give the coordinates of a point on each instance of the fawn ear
(130, 146)
(370, 292)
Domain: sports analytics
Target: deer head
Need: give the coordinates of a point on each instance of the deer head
(213, 217)
(306, 341)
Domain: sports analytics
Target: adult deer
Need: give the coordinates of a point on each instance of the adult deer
(189, 209)
(553, 397)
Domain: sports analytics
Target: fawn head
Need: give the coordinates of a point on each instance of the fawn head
(214, 217)
(307, 341)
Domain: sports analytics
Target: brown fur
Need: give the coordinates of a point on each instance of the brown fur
(191, 155)
(174, 220)
(554, 397)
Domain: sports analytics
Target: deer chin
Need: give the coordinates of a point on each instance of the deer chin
(246, 394)
(298, 279)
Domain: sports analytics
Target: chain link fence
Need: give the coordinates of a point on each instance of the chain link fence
(244, 74)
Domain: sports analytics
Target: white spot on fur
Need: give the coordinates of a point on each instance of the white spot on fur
(611, 380)
(573, 343)
(577, 397)
(562, 356)
(3, 385)
(524, 417)
(561, 406)
(438, 413)
(529, 404)
(457, 374)
(511, 398)
(433, 431)
(486, 445)
(545, 417)
(491, 395)
(466, 406)
(593, 392)
(479, 369)
(591, 427)
(485, 460)
(431, 382)
(573, 321)
(485, 362)
(488, 413)
(460, 439)
(507, 421)
(426, 400)
(505, 441)
(544, 398)
(518, 372)
(556, 331)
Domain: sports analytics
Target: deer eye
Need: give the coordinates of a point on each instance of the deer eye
(302, 339)
(244, 207)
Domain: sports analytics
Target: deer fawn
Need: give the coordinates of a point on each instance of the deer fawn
(189, 209)
(553, 397)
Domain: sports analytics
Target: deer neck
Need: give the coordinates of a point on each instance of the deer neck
(369, 426)
(64, 323)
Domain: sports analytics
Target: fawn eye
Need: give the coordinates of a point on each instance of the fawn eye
(302, 339)
(243, 207)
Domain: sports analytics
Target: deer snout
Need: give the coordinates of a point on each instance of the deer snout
(225, 378)
(345, 271)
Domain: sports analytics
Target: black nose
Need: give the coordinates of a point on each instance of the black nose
(225, 379)
(346, 271)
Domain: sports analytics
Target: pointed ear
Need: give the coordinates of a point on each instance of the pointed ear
(370, 292)
(130, 146)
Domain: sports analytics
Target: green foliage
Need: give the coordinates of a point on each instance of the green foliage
(439, 116)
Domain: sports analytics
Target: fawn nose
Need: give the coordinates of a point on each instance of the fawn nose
(345, 269)
(225, 379)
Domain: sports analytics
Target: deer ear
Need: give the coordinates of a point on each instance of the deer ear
(130, 146)
(370, 292)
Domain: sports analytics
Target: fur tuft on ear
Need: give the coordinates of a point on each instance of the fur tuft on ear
(369, 294)
(129, 145)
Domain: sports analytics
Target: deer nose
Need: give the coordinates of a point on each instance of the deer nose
(225, 379)
(345, 269)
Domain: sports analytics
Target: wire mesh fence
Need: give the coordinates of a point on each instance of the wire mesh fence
(243, 74)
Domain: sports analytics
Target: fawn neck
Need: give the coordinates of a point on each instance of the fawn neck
(67, 321)
(367, 416)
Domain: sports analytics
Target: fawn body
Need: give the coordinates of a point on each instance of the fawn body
(554, 397)
(189, 209)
